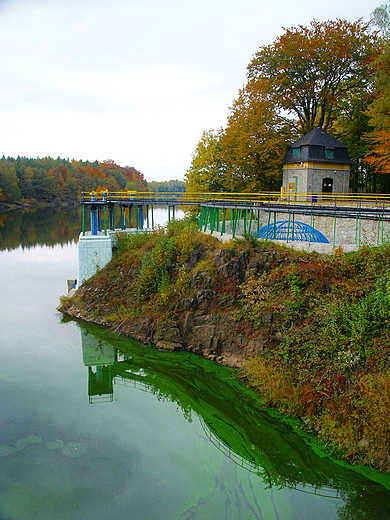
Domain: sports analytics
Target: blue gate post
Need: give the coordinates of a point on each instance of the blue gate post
(99, 219)
(94, 221)
(105, 219)
(141, 217)
(293, 227)
(111, 217)
(123, 216)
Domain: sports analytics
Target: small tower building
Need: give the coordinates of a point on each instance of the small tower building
(316, 164)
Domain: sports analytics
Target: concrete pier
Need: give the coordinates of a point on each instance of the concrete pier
(94, 252)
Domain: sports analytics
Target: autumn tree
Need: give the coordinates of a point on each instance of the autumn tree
(312, 69)
(379, 110)
(381, 19)
(248, 154)
(321, 75)
(253, 145)
(9, 182)
(206, 172)
(352, 127)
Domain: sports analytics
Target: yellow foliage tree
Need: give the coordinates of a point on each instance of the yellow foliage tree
(254, 142)
(312, 69)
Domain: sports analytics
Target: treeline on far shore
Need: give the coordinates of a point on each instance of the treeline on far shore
(47, 179)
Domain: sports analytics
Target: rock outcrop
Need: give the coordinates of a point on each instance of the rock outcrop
(206, 324)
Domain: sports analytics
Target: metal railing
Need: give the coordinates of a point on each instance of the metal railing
(228, 199)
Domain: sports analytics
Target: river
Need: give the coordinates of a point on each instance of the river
(99, 426)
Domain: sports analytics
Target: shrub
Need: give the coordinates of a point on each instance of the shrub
(275, 387)
(131, 241)
(374, 408)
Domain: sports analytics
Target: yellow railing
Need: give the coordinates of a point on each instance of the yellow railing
(328, 199)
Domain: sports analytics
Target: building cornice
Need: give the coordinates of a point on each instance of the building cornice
(321, 165)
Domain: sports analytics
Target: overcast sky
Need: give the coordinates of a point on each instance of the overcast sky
(136, 81)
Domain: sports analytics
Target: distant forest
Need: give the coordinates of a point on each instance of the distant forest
(166, 186)
(55, 180)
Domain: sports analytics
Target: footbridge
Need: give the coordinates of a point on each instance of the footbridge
(320, 222)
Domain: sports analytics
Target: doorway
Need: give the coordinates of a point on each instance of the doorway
(327, 185)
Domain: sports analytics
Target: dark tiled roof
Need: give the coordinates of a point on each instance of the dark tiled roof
(312, 148)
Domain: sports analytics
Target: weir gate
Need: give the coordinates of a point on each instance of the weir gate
(314, 222)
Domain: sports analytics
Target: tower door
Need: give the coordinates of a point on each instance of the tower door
(327, 185)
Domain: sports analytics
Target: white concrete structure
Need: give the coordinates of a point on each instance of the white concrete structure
(94, 251)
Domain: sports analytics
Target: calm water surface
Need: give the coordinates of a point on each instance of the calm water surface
(96, 426)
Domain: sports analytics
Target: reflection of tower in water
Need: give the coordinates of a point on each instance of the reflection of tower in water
(99, 357)
(107, 366)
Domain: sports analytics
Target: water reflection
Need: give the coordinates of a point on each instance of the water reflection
(135, 456)
(39, 226)
(55, 225)
(99, 357)
(231, 420)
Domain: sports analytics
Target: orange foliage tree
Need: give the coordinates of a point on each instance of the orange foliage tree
(311, 69)
(254, 142)
(380, 152)
(379, 113)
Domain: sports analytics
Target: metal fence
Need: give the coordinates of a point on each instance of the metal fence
(377, 200)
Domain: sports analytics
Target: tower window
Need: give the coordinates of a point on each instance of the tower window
(329, 153)
(296, 152)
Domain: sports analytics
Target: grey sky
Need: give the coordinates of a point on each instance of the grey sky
(136, 81)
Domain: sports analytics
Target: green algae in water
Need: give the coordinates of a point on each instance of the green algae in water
(19, 445)
(181, 439)
(70, 449)
(6, 450)
(257, 441)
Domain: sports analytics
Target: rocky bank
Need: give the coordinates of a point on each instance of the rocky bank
(203, 320)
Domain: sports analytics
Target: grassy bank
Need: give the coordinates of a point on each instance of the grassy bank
(327, 359)
(311, 332)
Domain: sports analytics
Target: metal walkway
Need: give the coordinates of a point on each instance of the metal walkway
(348, 205)
(238, 213)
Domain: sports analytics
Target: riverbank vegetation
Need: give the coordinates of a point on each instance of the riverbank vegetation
(310, 332)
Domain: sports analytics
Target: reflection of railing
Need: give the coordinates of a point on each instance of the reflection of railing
(106, 398)
(122, 381)
(257, 469)
(327, 492)
(280, 468)
(232, 455)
